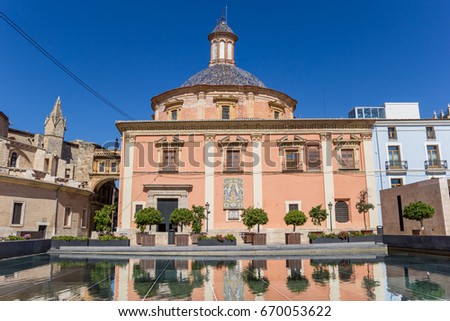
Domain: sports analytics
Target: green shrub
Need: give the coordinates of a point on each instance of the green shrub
(318, 215)
(199, 216)
(295, 218)
(254, 216)
(69, 238)
(103, 218)
(15, 238)
(108, 237)
(418, 211)
(147, 216)
(181, 217)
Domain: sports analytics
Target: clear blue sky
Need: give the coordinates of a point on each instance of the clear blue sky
(328, 55)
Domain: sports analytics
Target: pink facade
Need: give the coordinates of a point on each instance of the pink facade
(233, 143)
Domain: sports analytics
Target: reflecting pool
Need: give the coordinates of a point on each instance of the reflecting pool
(398, 276)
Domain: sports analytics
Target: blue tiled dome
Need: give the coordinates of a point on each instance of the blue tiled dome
(223, 74)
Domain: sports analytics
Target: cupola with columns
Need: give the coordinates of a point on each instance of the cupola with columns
(222, 40)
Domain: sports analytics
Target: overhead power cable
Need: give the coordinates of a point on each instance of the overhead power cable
(61, 66)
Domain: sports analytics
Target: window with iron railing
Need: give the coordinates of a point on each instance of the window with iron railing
(169, 160)
(233, 160)
(347, 159)
(313, 161)
(292, 160)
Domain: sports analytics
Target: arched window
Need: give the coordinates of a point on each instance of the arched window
(341, 209)
(13, 160)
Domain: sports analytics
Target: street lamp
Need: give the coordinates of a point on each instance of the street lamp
(330, 208)
(207, 214)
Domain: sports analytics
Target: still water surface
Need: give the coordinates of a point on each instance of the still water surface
(399, 276)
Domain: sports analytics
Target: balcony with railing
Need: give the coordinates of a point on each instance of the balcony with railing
(233, 168)
(435, 166)
(168, 168)
(396, 166)
(354, 165)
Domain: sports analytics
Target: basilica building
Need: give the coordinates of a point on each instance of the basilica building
(224, 140)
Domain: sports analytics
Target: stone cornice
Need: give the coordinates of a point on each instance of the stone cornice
(165, 187)
(248, 125)
(43, 184)
(195, 90)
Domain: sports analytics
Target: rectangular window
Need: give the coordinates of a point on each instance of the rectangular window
(396, 182)
(84, 218)
(67, 216)
(225, 112)
(433, 156)
(233, 160)
(293, 207)
(430, 133)
(374, 112)
(394, 157)
(347, 158)
(101, 168)
(313, 157)
(360, 113)
(17, 213)
(292, 160)
(169, 160)
(276, 114)
(137, 208)
(366, 112)
(113, 167)
(392, 133)
(174, 114)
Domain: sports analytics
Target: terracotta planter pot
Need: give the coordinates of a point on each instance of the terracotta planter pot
(148, 240)
(293, 238)
(248, 237)
(259, 239)
(181, 239)
(139, 237)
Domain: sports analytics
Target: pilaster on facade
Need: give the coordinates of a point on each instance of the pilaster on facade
(374, 215)
(209, 160)
(127, 181)
(257, 170)
(327, 164)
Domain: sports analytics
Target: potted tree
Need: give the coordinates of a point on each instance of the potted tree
(294, 218)
(363, 206)
(255, 216)
(102, 219)
(197, 223)
(317, 215)
(181, 217)
(147, 216)
(418, 211)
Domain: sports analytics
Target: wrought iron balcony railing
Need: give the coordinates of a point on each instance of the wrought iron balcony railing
(435, 164)
(396, 165)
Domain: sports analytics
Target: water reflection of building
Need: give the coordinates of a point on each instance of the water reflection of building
(249, 280)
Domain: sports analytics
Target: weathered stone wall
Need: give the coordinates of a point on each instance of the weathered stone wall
(39, 199)
(434, 192)
(4, 125)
